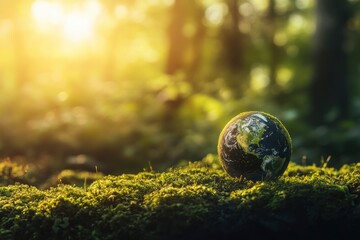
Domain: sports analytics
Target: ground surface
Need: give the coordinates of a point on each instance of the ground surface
(197, 201)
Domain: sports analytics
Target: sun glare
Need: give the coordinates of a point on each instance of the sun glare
(44, 11)
(76, 24)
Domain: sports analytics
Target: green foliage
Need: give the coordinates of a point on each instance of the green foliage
(111, 96)
(196, 200)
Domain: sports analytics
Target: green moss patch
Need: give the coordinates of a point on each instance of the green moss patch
(195, 201)
(11, 172)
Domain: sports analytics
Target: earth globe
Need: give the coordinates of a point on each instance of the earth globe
(254, 145)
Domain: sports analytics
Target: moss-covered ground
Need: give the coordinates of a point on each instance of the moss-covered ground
(196, 201)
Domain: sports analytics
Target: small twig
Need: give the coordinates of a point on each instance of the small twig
(151, 168)
(326, 161)
(85, 184)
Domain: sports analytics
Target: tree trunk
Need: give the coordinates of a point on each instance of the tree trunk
(329, 92)
(233, 38)
(177, 40)
(195, 43)
(273, 49)
(233, 48)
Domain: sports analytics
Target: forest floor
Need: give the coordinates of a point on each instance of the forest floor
(195, 201)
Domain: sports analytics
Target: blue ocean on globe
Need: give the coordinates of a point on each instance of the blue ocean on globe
(255, 145)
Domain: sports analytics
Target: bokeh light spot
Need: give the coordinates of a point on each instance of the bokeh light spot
(215, 13)
(284, 75)
(259, 78)
(78, 26)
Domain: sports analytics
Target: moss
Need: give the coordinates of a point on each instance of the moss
(71, 177)
(195, 201)
(12, 172)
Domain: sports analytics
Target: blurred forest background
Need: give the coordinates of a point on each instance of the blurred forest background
(121, 83)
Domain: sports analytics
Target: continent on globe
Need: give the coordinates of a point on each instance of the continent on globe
(255, 145)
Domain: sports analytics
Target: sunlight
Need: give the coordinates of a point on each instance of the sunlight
(260, 5)
(284, 76)
(76, 24)
(46, 12)
(297, 23)
(121, 11)
(280, 38)
(282, 6)
(215, 13)
(259, 78)
(302, 4)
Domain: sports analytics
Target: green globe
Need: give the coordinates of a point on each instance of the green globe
(255, 145)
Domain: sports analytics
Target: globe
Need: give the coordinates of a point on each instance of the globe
(255, 145)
